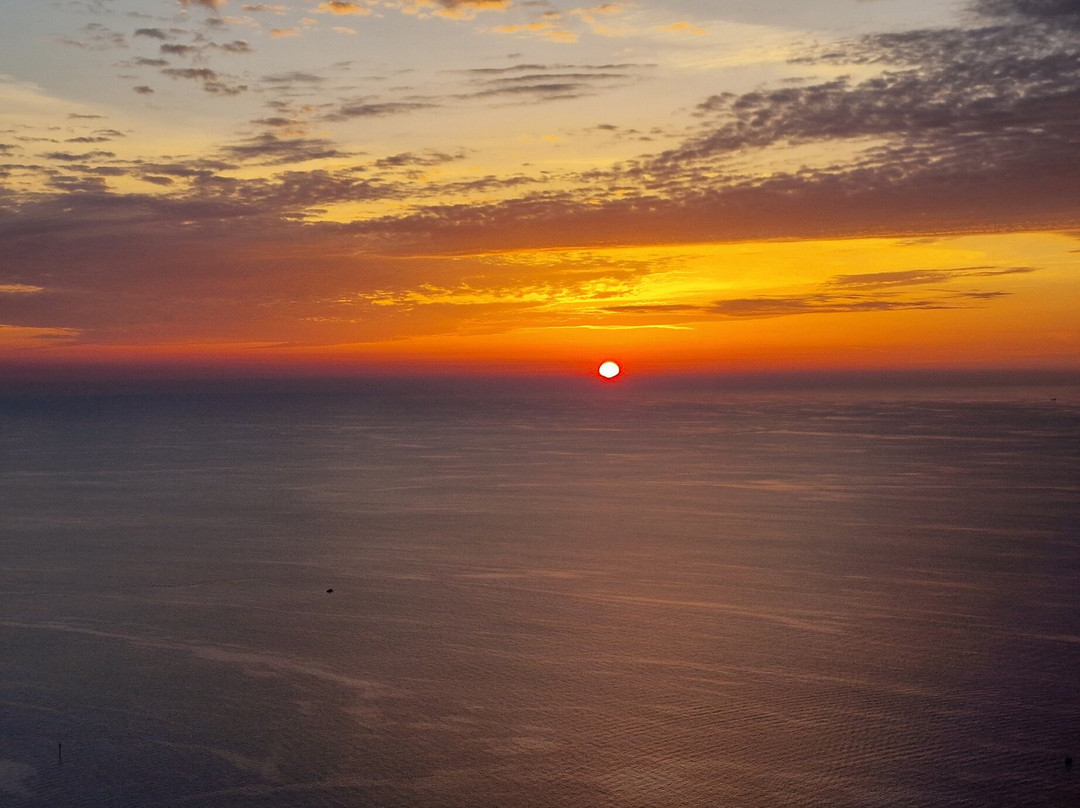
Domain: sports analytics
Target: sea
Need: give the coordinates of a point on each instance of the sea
(530, 594)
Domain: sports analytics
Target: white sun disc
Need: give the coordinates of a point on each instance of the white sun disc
(609, 369)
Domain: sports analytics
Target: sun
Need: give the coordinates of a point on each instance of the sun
(609, 369)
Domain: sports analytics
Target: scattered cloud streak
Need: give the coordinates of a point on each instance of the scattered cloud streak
(921, 277)
(845, 294)
(210, 80)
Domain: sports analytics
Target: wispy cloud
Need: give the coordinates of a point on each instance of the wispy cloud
(369, 108)
(762, 307)
(921, 277)
(269, 149)
(854, 294)
(97, 37)
(769, 306)
(534, 82)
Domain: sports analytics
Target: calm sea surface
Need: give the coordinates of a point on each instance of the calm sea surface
(575, 598)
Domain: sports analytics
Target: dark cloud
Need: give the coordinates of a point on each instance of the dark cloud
(417, 159)
(980, 295)
(279, 122)
(210, 79)
(189, 170)
(236, 46)
(654, 308)
(768, 306)
(867, 292)
(70, 157)
(989, 273)
(1000, 98)
(179, 50)
(118, 267)
(965, 127)
(531, 78)
(297, 190)
(542, 91)
(293, 83)
(74, 184)
(152, 33)
(204, 74)
(760, 307)
(1059, 12)
(143, 89)
(921, 277)
(487, 71)
(294, 77)
(488, 183)
(532, 67)
(105, 136)
(374, 109)
(534, 82)
(524, 83)
(609, 207)
(269, 149)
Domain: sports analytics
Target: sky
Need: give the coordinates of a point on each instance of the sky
(533, 186)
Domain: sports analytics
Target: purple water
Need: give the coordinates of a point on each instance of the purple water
(573, 598)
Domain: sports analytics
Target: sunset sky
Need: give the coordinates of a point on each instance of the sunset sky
(530, 186)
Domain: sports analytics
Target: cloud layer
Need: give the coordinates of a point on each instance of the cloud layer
(960, 129)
